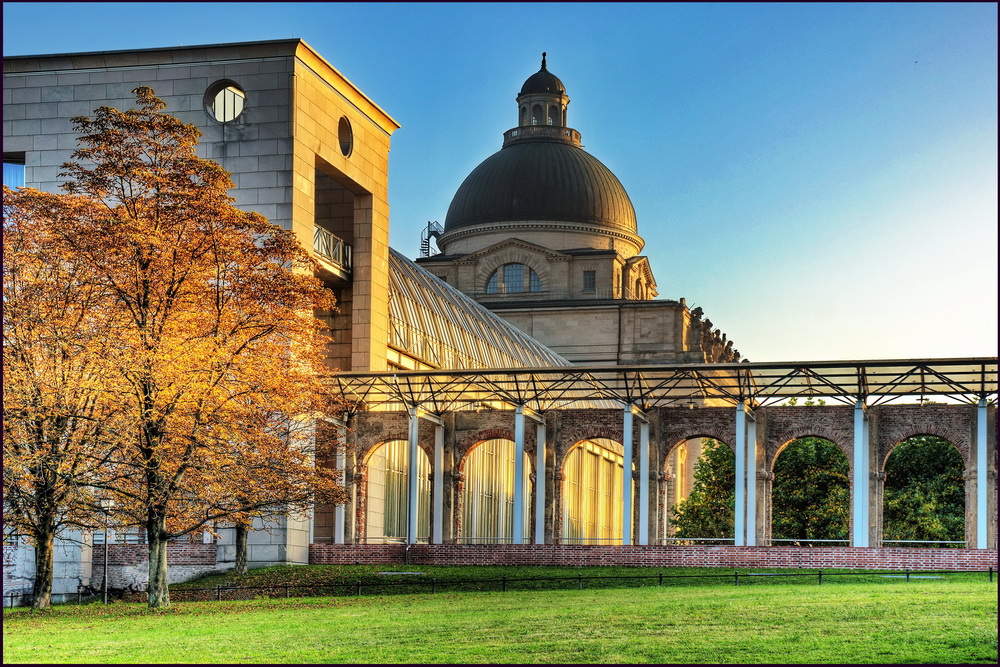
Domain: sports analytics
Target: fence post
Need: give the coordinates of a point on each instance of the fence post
(821, 577)
(434, 585)
(736, 576)
(505, 583)
(218, 593)
(661, 579)
(907, 575)
(991, 574)
(579, 581)
(286, 590)
(359, 588)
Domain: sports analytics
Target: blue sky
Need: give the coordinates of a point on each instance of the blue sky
(820, 178)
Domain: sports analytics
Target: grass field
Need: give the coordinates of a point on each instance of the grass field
(845, 620)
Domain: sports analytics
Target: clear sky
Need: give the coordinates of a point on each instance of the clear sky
(820, 178)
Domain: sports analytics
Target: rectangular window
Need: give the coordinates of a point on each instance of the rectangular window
(590, 281)
(13, 170)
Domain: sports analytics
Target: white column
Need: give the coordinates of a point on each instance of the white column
(860, 479)
(411, 478)
(540, 484)
(518, 536)
(751, 540)
(643, 482)
(339, 513)
(741, 474)
(437, 530)
(627, 476)
(982, 516)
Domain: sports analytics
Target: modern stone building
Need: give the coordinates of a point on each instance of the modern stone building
(540, 240)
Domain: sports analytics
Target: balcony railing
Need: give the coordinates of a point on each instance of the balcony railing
(566, 134)
(333, 249)
(561, 294)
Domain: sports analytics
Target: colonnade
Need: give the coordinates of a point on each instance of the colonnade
(750, 445)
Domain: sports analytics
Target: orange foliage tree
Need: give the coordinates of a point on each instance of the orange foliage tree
(217, 356)
(59, 427)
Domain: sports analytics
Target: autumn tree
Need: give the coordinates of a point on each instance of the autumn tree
(59, 426)
(217, 356)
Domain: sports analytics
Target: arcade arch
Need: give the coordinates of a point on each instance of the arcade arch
(592, 492)
(698, 493)
(387, 500)
(923, 494)
(810, 494)
(488, 493)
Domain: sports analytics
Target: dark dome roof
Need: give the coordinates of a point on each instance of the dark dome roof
(542, 180)
(542, 81)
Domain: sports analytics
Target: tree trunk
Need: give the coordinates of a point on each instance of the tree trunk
(242, 533)
(156, 535)
(41, 592)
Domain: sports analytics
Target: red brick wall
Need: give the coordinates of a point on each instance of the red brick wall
(657, 556)
(135, 554)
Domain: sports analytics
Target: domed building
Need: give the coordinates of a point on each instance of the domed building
(545, 236)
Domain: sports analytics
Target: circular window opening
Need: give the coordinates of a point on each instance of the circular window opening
(224, 101)
(346, 136)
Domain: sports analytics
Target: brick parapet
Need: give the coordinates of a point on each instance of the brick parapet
(659, 556)
(137, 554)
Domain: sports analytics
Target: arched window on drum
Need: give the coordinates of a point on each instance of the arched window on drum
(513, 279)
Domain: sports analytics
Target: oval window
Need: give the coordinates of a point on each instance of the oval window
(224, 101)
(346, 136)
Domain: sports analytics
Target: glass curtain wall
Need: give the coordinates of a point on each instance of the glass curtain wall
(488, 494)
(592, 493)
(388, 493)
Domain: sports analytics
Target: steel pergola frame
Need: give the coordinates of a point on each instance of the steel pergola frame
(873, 382)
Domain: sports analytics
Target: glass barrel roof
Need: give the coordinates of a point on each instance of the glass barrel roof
(436, 323)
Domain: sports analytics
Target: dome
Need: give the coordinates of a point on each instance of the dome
(543, 81)
(542, 181)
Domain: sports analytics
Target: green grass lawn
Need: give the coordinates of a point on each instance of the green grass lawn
(875, 620)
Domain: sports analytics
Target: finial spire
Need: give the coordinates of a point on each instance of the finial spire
(543, 59)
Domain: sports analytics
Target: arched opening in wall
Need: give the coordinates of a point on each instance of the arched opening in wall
(700, 493)
(537, 115)
(553, 115)
(524, 115)
(513, 279)
(387, 502)
(488, 494)
(592, 493)
(811, 494)
(923, 502)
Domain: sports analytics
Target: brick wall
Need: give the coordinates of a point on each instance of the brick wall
(657, 556)
(135, 554)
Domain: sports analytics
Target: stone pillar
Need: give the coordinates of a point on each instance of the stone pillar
(644, 482)
(751, 508)
(437, 489)
(540, 478)
(518, 532)
(411, 477)
(740, 537)
(860, 519)
(627, 476)
(340, 511)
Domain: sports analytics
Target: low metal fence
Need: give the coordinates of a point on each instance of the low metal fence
(504, 583)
